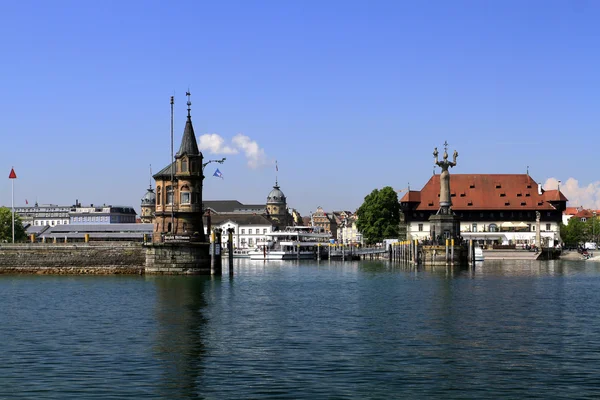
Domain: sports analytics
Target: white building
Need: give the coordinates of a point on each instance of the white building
(493, 209)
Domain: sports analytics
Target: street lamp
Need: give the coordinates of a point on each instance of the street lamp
(221, 161)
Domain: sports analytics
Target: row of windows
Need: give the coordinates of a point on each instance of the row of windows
(50, 223)
(491, 214)
(264, 231)
(492, 227)
(185, 197)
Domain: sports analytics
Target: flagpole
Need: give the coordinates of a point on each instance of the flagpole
(13, 210)
(172, 168)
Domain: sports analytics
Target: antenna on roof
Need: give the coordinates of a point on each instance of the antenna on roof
(528, 170)
(150, 176)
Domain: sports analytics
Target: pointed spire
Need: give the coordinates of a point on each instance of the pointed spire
(189, 145)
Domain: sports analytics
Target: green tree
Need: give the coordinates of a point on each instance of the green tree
(379, 216)
(591, 229)
(574, 233)
(6, 226)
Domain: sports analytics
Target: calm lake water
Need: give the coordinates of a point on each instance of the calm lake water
(360, 330)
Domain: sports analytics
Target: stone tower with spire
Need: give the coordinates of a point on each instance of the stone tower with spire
(179, 191)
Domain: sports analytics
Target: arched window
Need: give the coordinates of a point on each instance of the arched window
(493, 228)
(169, 195)
(184, 195)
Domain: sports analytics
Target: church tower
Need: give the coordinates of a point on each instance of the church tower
(179, 190)
(148, 206)
(277, 207)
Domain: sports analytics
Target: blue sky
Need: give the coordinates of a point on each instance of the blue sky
(348, 96)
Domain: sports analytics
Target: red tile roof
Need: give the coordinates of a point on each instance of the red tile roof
(486, 192)
(571, 210)
(584, 214)
(554, 195)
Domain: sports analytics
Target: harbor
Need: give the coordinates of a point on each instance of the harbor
(306, 330)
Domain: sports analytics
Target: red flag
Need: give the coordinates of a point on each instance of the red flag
(12, 174)
(26, 202)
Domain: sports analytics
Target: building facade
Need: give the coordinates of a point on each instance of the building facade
(492, 208)
(44, 215)
(102, 215)
(250, 222)
(325, 221)
(53, 215)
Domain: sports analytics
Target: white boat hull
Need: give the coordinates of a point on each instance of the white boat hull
(280, 255)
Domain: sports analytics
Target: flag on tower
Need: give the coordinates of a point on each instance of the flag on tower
(218, 174)
(276, 167)
(12, 174)
(26, 202)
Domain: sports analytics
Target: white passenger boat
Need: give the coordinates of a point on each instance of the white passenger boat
(292, 243)
(241, 253)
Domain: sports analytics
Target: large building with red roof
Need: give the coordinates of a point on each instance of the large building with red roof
(492, 208)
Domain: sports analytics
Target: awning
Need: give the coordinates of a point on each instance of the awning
(521, 225)
(507, 224)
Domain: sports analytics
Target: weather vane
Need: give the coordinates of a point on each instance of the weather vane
(189, 102)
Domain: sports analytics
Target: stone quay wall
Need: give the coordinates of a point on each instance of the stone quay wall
(80, 258)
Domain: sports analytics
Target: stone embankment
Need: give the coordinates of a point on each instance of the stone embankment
(80, 258)
(510, 254)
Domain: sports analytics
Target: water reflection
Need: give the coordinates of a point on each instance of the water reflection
(179, 345)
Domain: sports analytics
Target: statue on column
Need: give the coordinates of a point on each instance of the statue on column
(445, 200)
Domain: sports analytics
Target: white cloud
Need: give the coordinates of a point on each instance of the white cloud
(256, 155)
(584, 196)
(215, 144)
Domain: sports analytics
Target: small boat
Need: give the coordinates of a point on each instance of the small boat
(241, 253)
(292, 243)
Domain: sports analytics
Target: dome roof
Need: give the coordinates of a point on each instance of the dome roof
(276, 196)
(149, 198)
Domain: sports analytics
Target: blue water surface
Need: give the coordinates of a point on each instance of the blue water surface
(290, 330)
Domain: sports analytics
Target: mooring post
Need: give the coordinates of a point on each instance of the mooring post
(318, 251)
(452, 251)
(216, 267)
(329, 251)
(447, 251)
(230, 249)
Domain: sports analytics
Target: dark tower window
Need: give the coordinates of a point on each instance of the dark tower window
(169, 227)
(158, 196)
(184, 165)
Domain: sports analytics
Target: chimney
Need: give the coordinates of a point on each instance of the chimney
(540, 188)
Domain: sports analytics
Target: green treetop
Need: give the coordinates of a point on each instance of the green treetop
(6, 226)
(379, 216)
